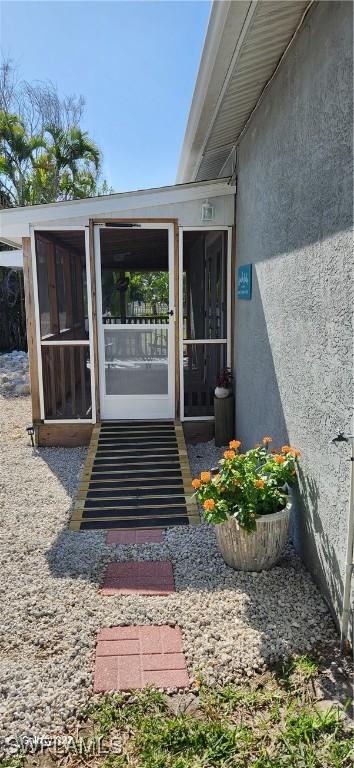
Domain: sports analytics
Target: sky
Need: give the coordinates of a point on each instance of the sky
(135, 63)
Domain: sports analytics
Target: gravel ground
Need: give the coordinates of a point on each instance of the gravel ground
(203, 456)
(233, 623)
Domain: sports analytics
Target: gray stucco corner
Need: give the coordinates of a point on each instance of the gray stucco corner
(294, 339)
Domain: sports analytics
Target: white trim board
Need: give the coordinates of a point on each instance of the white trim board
(16, 222)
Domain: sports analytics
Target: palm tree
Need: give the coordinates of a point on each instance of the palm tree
(74, 161)
(17, 156)
(55, 165)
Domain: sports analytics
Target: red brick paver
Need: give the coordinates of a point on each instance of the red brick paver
(150, 577)
(135, 537)
(138, 656)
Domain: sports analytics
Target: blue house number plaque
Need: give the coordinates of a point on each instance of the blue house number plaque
(244, 281)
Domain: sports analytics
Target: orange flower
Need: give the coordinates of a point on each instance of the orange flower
(294, 452)
(285, 449)
(235, 444)
(267, 440)
(196, 483)
(209, 504)
(205, 477)
(229, 454)
(279, 459)
(274, 451)
(259, 483)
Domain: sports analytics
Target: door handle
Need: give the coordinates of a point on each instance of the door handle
(171, 312)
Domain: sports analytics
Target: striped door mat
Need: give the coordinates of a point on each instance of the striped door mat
(136, 475)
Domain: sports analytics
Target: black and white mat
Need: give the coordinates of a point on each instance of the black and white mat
(136, 475)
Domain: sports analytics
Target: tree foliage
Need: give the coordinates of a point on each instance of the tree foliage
(44, 154)
(149, 287)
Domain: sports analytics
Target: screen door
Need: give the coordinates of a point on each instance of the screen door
(136, 320)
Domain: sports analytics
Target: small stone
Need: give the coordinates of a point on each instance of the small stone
(22, 389)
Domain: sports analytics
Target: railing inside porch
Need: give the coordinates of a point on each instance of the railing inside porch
(139, 313)
(135, 320)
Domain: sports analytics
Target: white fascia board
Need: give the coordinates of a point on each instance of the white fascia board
(17, 222)
(225, 26)
(12, 259)
(15, 242)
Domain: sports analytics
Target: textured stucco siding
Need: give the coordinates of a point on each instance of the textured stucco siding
(294, 339)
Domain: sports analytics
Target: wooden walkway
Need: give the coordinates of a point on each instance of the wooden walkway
(136, 476)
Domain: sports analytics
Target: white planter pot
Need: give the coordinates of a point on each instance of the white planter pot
(221, 392)
(259, 550)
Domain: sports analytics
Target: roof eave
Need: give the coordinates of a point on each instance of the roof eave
(225, 25)
(17, 222)
(251, 40)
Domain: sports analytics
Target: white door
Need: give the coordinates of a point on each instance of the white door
(136, 320)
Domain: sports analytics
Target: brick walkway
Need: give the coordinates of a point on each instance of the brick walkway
(147, 577)
(121, 490)
(138, 656)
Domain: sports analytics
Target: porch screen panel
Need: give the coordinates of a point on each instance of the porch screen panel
(66, 381)
(64, 325)
(134, 298)
(62, 287)
(204, 318)
(201, 366)
(136, 361)
(134, 276)
(204, 285)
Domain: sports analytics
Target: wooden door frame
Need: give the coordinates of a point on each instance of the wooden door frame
(94, 278)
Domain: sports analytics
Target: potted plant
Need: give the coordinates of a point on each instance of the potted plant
(223, 384)
(248, 501)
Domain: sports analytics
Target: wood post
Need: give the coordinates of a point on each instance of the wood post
(177, 338)
(224, 420)
(94, 321)
(31, 327)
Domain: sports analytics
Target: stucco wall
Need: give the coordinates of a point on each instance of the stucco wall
(294, 339)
